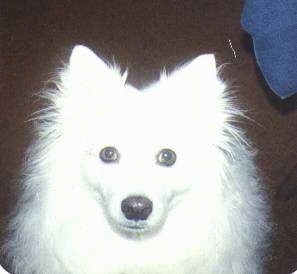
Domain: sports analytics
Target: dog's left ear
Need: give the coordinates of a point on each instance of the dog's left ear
(202, 67)
(200, 74)
(205, 62)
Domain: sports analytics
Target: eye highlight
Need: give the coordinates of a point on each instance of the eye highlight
(166, 157)
(109, 155)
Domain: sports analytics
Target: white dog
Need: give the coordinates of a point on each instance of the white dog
(121, 181)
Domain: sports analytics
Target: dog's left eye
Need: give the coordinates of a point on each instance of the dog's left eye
(109, 155)
(166, 157)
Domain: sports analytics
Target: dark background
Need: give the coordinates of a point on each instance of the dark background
(146, 36)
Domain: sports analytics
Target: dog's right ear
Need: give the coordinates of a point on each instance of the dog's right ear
(81, 53)
(84, 62)
(86, 67)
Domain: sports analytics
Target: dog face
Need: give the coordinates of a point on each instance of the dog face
(144, 153)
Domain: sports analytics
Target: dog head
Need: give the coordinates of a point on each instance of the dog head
(145, 152)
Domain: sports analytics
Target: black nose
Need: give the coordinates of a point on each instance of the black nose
(137, 208)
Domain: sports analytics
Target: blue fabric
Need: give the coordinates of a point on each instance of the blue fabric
(273, 27)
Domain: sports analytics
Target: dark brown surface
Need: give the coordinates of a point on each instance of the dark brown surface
(146, 35)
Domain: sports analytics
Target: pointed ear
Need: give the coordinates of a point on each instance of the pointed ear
(205, 62)
(201, 66)
(198, 76)
(83, 61)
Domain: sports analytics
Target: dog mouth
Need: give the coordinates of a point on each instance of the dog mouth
(134, 227)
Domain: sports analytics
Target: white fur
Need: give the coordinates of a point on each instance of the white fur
(209, 214)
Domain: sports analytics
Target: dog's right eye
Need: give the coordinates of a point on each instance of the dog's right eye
(109, 155)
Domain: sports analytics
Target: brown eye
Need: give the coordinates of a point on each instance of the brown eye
(109, 155)
(166, 157)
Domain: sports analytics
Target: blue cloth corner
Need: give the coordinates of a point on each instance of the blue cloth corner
(273, 27)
